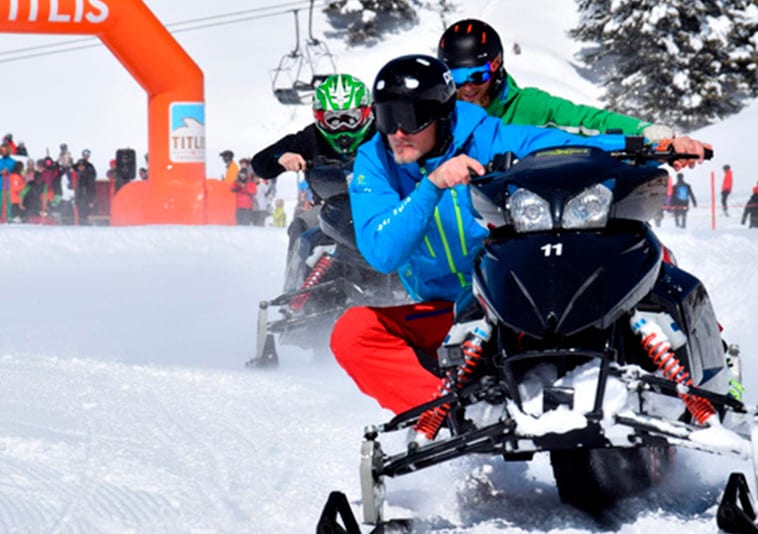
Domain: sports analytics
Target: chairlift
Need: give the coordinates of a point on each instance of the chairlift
(296, 77)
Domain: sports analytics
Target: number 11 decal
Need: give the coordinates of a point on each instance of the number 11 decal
(550, 250)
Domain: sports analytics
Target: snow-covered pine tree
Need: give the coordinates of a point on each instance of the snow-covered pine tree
(743, 36)
(667, 61)
(364, 21)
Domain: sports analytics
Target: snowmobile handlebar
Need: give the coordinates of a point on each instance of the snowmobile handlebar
(635, 152)
(324, 161)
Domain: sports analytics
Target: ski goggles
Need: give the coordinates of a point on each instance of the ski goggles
(344, 119)
(410, 117)
(476, 75)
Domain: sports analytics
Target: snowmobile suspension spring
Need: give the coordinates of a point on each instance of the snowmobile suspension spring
(314, 277)
(660, 352)
(430, 421)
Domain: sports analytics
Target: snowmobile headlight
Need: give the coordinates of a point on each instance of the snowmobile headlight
(530, 212)
(588, 209)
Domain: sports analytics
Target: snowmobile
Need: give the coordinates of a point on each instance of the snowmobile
(325, 273)
(579, 341)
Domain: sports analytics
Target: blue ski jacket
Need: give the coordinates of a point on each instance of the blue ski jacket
(404, 223)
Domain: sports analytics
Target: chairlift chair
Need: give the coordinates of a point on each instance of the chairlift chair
(300, 66)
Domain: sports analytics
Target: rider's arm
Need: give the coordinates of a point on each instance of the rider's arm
(266, 162)
(531, 105)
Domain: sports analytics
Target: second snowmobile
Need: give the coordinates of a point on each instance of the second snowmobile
(325, 275)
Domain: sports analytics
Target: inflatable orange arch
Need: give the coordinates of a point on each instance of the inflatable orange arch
(176, 192)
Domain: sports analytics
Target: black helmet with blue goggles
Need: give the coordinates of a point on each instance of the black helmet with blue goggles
(475, 75)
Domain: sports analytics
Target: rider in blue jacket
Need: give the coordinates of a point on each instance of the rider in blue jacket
(412, 214)
(406, 223)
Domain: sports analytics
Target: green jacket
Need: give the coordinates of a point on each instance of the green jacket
(539, 108)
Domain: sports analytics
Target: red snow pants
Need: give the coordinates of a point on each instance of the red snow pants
(380, 350)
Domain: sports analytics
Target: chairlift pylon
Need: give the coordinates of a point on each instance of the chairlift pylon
(296, 76)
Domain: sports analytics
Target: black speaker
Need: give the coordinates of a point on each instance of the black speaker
(126, 163)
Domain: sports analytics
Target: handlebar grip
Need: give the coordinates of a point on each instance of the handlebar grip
(708, 153)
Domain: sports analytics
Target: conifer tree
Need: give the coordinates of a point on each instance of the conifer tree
(670, 61)
(364, 21)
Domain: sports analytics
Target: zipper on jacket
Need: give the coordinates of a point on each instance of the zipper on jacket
(459, 220)
(446, 245)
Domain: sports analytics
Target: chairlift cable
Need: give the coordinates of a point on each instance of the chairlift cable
(66, 46)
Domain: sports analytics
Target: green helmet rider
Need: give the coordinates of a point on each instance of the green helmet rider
(342, 109)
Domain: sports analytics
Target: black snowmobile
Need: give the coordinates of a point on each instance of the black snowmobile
(325, 273)
(580, 341)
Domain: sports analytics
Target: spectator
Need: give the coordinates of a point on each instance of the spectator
(47, 174)
(32, 198)
(667, 203)
(110, 174)
(262, 209)
(65, 207)
(6, 167)
(279, 216)
(16, 186)
(30, 170)
(726, 189)
(8, 139)
(85, 187)
(6, 161)
(751, 209)
(232, 169)
(680, 200)
(65, 160)
(142, 173)
(245, 190)
(244, 163)
(21, 149)
(114, 177)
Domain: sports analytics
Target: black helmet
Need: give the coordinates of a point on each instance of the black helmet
(412, 91)
(227, 155)
(469, 43)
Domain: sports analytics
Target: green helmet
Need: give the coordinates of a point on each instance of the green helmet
(342, 109)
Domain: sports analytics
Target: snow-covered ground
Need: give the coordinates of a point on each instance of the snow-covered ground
(124, 403)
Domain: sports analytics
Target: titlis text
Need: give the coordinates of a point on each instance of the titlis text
(60, 11)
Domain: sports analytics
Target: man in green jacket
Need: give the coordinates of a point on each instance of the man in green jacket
(474, 53)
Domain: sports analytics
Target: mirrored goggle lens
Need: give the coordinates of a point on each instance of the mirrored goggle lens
(411, 118)
(343, 119)
(475, 75)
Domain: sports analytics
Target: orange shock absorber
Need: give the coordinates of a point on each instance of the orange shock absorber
(314, 277)
(658, 348)
(430, 421)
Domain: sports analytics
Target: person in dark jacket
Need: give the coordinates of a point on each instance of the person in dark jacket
(342, 121)
(751, 209)
(681, 195)
(85, 187)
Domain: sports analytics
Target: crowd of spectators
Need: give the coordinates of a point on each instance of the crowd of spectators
(63, 190)
(46, 190)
